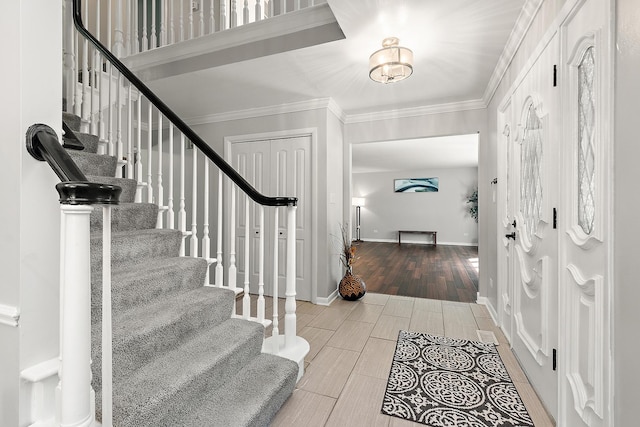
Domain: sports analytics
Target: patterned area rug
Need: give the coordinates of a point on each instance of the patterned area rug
(441, 381)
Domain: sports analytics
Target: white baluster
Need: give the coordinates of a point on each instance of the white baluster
(101, 94)
(145, 39)
(206, 242)
(128, 25)
(261, 307)
(201, 14)
(232, 241)
(283, 7)
(296, 4)
(139, 151)
(212, 19)
(149, 153)
(118, 31)
(182, 20)
(223, 16)
(219, 268)
(182, 213)
(107, 334)
(75, 370)
(120, 144)
(160, 199)
(290, 293)
(77, 98)
(246, 299)
(245, 12)
(69, 79)
(194, 203)
(258, 10)
(172, 29)
(130, 159)
(96, 75)
(170, 213)
(272, 8)
(275, 331)
(111, 147)
(86, 89)
(234, 14)
(153, 36)
(163, 24)
(190, 21)
(135, 42)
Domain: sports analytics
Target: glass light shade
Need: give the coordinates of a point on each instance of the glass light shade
(392, 63)
(357, 201)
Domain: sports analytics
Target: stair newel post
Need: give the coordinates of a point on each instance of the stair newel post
(212, 18)
(138, 172)
(290, 293)
(118, 30)
(234, 14)
(153, 35)
(246, 299)
(206, 241)
(194, 203)
(245, 12)
(107, 333)
(258, 10)
(160, 199)
(163, 23)
(170, 213)
(219, 267)
(145, 38)
(149, 153)
(68, 82)
(182, 214)
(75, 394)
(275, 332)
(261, 307)
(86, 89)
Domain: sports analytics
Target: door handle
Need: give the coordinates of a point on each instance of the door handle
(511, 235)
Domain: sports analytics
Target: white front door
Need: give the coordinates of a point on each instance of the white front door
(585, 220)
(276, 167)
(533, 194)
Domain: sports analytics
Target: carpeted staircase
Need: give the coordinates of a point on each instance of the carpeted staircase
(179, 359)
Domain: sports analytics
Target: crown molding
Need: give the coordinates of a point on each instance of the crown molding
(476, 104)
(9, 315)
(520, 29)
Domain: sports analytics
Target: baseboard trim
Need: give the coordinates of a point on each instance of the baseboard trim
(328, 300)
(419, 242)
(492, 312)
(9, 315)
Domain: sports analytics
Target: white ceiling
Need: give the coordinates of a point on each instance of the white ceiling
(416, 154)
(456, 44)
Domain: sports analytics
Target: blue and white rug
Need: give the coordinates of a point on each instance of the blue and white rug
(441, 381)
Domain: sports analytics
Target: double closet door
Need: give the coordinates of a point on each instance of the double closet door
(275, 167)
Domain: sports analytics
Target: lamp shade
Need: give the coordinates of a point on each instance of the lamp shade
(357, 201)
(392, 63)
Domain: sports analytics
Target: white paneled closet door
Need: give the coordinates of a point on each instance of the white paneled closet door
(533, 195)
(585, 222)
(276, 167)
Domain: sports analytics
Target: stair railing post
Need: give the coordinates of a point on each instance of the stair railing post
(290, 293)
(75, 394)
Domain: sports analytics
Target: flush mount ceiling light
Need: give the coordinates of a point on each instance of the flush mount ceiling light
(392, 63)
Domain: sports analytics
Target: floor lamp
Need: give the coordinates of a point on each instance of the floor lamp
(357, 202)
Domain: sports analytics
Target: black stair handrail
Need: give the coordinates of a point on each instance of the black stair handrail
(75, 189)
(225, 167)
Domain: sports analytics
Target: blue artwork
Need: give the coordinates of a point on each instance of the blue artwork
(416, 185)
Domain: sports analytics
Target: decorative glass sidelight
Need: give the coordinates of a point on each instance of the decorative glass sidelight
(531, 172)
(586, 155)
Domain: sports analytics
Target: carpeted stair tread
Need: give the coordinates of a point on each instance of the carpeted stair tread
(171, 380)
(153, 279)
(90, 142)
(250, 399)
(128, 186)
(72, 121)
(133, 247)
(94, 164)
(127, 217)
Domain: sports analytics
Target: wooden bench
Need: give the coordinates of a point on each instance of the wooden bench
(433, 233)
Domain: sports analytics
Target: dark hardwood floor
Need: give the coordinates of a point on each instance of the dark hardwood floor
(425, 271)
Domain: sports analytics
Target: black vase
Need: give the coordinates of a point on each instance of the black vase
(351, 287)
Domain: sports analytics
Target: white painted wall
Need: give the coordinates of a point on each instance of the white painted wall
(31, 86)
(444, 211)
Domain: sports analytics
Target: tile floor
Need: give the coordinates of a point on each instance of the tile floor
(352, 346)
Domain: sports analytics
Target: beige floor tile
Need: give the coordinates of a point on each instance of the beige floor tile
(343, 304)
(534, 406)
(398, 306)
(361, 404)
(331, 318)
(329, 371)
(425, 304)
(317, 338)
(487, 324)
(377, 299)
(309, 308)
(387, 327)
(480, 310)
(351, 335)
(511, 363)
(430, 322)
(459, 321)
(366, 313)
(304, 409)
(375, 359)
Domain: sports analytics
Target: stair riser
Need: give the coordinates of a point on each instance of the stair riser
(94, 164)
(89, 141)
(127, 217)
(128, 186)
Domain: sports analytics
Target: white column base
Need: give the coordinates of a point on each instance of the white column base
(296, 352)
